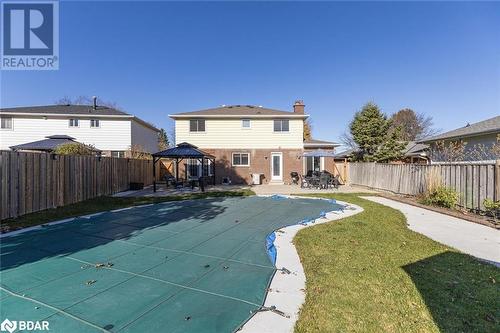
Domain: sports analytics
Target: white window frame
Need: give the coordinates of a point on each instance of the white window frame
(73, 119)
(120, 152)
(249, 124)
(281, 125)
(240, 165)
(11, 124)
(93, 121)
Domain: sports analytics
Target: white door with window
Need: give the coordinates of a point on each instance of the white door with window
(277, 166)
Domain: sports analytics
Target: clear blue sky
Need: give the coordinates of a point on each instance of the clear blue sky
(157, 58)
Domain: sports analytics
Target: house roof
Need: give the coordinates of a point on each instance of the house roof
(238, 111)
(72, 111)
(49, 144)
(414, 148)
(65, 110)
(491, 125)
(183, 150)
(319, 143)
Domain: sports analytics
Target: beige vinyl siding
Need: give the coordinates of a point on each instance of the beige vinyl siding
(112, 134)
(144, 137)
(228, 133)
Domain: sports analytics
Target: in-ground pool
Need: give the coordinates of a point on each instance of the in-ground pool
(184, 266)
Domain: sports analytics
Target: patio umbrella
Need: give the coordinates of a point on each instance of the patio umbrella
(319, 153)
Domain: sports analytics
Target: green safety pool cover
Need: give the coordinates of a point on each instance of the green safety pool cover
(186, 266)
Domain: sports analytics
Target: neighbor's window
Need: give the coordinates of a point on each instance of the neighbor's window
(73, 123)
(197, 125)
(6, 123)
(94, 123)
(118, 154)
(241, 159)
(245, 123)
(281, 125)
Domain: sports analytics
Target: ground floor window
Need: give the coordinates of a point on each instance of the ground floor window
(313, 163)
(194, 168)
(241, 159)
(118, 153)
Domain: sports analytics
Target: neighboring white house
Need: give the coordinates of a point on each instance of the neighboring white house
(247, 139)
(109, 130)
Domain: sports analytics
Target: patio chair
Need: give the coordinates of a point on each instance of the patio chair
(324, 180)
(335, 182)
(295, 177)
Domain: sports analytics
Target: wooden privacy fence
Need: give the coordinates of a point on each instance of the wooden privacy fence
(36, 181)
(474, 182)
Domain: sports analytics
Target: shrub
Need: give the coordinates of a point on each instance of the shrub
(441, 196)
(74, 148)
(492, 207)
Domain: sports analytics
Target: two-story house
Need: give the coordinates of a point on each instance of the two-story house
(247, 139)
(112, 131)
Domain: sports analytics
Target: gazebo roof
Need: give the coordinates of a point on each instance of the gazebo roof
(49, 144)
(183, 150)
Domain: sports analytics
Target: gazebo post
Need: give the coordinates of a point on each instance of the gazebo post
(176, 169)
(154, 174)
(213, 175)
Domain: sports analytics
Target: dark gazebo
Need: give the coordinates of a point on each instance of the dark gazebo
(183, 151)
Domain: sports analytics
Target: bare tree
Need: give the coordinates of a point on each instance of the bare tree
(86, 100)
(452, 151)
(348, 141)
(414, 125)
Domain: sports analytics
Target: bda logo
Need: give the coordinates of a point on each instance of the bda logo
(8, 325)
(30, 35)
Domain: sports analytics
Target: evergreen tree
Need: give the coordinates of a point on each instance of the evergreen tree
(163, 140)
(392, 147)
(369, 129)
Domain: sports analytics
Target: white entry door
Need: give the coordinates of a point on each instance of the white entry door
(277, 166)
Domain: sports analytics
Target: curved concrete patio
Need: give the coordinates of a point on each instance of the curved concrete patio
(475, 239)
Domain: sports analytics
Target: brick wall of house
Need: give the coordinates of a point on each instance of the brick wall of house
(260, 162)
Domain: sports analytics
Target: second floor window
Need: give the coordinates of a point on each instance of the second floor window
(245, 123)
(197, 125)
(94, 123)
(281, 125)
(73, 123)
(6, 123)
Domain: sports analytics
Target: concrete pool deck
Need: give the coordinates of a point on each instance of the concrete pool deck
(475, 239)
(287, 290)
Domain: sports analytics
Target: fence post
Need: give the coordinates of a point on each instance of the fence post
(497, 180)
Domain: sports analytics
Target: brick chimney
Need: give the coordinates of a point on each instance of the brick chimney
(298, 107)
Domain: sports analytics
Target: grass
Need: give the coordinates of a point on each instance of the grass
(370, 273)
(103, 204)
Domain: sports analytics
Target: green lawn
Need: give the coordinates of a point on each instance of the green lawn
(370, 273)
(103, 204)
